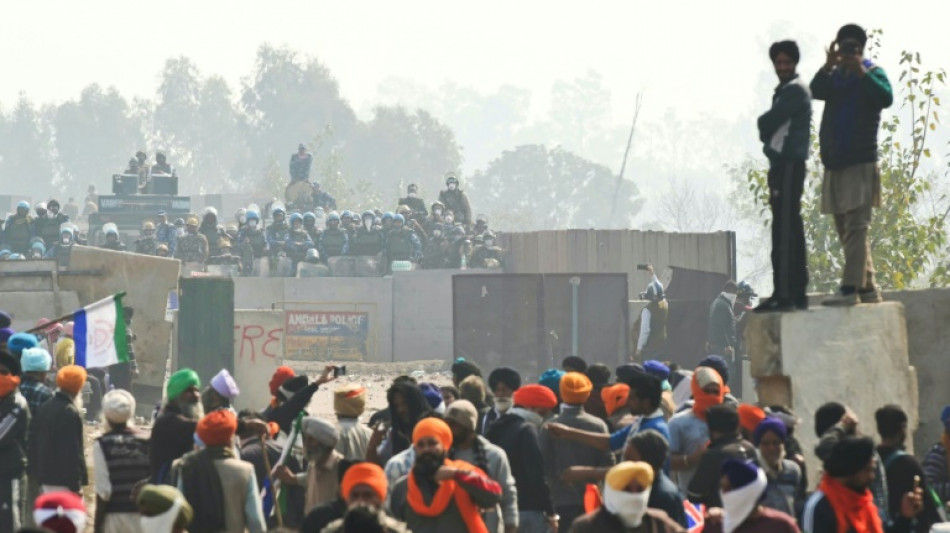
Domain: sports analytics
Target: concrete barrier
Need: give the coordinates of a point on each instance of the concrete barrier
(147, 280)
(857, 356)
(258, 351)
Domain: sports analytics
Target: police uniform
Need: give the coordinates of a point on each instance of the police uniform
(146, 246)
(366, 242)
(482, 254)
(417, 205)
(333, 242)
(192, 248)
(457, 202)
(167, 234)
(403, 245)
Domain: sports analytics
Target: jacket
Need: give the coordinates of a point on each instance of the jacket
(519, 439)
(602, 521)
(172, 437)
(14, 428)
(852, 114)
(721, 333)
(59, 444)
(704, 487)
(666, 497)
(935, 472)
(388, 523)
(785, 129)
(560, 454)
(901, 469)
(484, 493)
(819, 517)
(499, 469)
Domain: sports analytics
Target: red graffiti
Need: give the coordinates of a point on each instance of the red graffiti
(254, 339)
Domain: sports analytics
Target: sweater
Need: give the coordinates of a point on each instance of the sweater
(785, 129)
(561, 454)
(519, 439)
(499, 470)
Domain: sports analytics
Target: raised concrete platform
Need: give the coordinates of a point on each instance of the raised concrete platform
(857, 356)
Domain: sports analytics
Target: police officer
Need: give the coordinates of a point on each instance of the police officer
(310, 267)
(252, 243)
(433, 254)
(416, 205)
(346, 222)
(37, 249)
(298, 240)
(366, 241)
(481, 225)
(455, 199)
(278, 231)
(387, 220)
(457, 252)
(310, 226)
(166, 233)
(225, 257)
(18, 229)
(333, 241)
(240, 217)
(300, 164)
(487, 255)
(60, 250)
(112, 239)
(209, 228)
(402, 244)
(51, 223)
(193, 246)
(434, 219)
(322, 199)
(147, 244)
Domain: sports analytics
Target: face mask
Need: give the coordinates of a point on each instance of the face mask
(449, 219)
(180, 231)
(412, 195)
(242, 219)
(436, 234)
(367, 223)
(252, 224)
(730, 297)
(489, 243)
(437, 212)
(452, 186)
(65, 239)
(629, 507)
(739, 503)
(8, 384)
(164, 522)
(503, 404)
(53, 212)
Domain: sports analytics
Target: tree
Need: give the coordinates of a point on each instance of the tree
(25, 159)
(399, 145)
(287, 100)
(904, 239)
(534, 188)
(95, 137)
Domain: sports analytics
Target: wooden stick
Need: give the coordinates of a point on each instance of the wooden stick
(280, 515)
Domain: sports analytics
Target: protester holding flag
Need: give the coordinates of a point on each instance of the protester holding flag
(172, 434)
(57, 445)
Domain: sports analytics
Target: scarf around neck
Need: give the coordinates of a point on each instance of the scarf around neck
(852, 509)
(203, 489)
(739, 504)
(448, 490)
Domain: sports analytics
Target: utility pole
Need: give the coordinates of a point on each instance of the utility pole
(623, 165)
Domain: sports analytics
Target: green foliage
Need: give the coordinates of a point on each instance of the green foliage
(904, 239)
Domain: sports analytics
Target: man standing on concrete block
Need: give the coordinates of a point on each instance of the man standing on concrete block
(854, 90)
(784, 130)
(721, 333)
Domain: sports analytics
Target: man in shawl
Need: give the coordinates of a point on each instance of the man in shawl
(439, 494)
(172, 434)
(743, 486)
(843, 502)
(349, 402)
(220, 487)
(322, 476)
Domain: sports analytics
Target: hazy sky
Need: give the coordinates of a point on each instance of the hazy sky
(694, 56)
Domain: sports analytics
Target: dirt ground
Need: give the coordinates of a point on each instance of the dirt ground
(375, 377)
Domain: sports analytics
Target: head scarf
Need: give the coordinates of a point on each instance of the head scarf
(10, 362)
(224, 384)
(750, 416)
(626, 371)
(774, 425)
(433, 395)
(349, 400)
(505, 374)
(575, 388)
(282, 374)
(574, 363)
(369, 474)
(536, 396)
(118, 406)
(854, 510)
(60, 512)
(36, 360)
(717, 363)
(701, 400)
(627, 506)
(551, 378)
(324, 432)
(5, 334)
(418, 407)
(71, 378)
(433, 427)
(615, 397)
(464, 413)
(217, 428)
(848, 456)
(945, 418)
(181, 381)
(656, 369)
(161, 504)
(748, 486)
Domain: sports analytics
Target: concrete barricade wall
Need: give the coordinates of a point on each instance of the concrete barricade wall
(258, 351)
(857, 356)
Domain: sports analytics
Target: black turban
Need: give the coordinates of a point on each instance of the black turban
(852, 31)
(464, 369)
(849, 456)
(505, 374)
(789, 48)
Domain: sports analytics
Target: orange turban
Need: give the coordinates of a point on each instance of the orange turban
(615, 397)
(575, 388)
(71, 378)
(364, 474)
(282, 374)
(433, 427)
(217, 427)
(750, 416)
(535, 396)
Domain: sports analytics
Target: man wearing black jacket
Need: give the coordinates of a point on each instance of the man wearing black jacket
(785, 132)
(14, 421)
(725, 442)
(294, 396)
(516, 432)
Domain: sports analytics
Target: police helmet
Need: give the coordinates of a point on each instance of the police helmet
(15, 257)
(403, 210)
(239, 213)
(210, 210)
(346, 214)
(192, 221)
(744, 289)
(294, 217)
(181, 222)
(654, 292)
(252, 215)
(488, 235)
(278, 209)
(481, 219)
(451, 178)
(148, 225)
(399, 218)
(437, 205)
(309, 215)
(479, 239)
(388, 215)
(313, 255)
(40, 206)
(23, 204)
(51, 203)
(65, 229)
(39, 246)
(369, 214)
(333, 216)
(111, 229)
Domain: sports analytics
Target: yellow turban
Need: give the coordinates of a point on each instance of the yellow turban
(622, 474)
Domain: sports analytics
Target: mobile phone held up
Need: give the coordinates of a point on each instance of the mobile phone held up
(339, 371)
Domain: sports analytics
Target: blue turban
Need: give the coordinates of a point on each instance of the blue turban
(552, 380)
(21, 341)
(769, 424)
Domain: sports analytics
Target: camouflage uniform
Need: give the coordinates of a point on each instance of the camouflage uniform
(482, 255)
(252, 244)
(167, 234)
(146, 246)
(457, 202)
(192, 248)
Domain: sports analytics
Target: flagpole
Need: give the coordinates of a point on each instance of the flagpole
(280, 514)
(71, 315)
